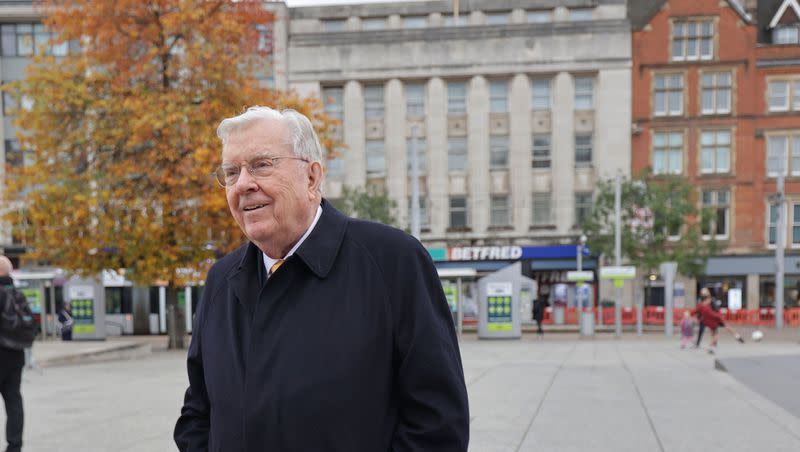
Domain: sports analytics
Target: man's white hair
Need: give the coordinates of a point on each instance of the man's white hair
(5, 266)
(303, 139)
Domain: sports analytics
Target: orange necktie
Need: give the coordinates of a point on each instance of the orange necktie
(275, 266)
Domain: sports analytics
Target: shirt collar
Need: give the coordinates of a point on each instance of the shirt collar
(269, 262)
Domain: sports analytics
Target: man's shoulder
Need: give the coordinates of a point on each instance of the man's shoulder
(374, 236)
(228, 262)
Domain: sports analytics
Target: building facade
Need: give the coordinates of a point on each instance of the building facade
(712, 84)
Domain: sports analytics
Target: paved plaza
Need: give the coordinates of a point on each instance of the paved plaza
(557, 394)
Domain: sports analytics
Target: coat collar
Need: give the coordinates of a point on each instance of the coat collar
(318, 251)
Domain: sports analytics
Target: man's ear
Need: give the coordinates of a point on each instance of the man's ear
(315, 175)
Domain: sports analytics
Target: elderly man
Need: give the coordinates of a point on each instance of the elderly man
(323, 333)
(12, 360)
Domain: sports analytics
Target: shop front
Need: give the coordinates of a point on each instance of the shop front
(749, 281)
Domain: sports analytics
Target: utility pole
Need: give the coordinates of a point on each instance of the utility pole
(618, 252)
(780, 245)
(415, 220)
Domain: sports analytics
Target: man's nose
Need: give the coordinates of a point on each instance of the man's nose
(246, 182)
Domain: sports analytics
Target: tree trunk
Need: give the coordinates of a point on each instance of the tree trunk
(176, 325)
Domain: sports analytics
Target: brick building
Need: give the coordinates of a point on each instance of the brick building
(713, 99)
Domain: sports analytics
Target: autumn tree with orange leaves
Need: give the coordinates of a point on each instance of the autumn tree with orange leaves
(122, 138)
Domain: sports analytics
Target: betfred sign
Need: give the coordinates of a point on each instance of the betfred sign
(485, 253)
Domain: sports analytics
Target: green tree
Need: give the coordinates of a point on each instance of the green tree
(372, 203)
(122, 135)
(660, 222)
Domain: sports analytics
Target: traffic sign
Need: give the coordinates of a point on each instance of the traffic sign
(580, 276)
(617, 273)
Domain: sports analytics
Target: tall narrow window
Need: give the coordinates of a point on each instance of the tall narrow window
(692, 40)
(499, 18)
(424, 216)
(716, 203)
(458, 212)
(415, 21)
(542, 214)
(584, 93)
(376, 158)
(332, 98)
(716, 93)
(583, 149)
(415, 100)
(373, 23)
(772, 224)
(332, 25)
(715, 154)
(541, 151)
(456, 98)
(373, 102)
(457, 154)
(778, 91)
(583, 206)
(668, 153)
(498, 96)
(500, 211)
(498, 152)
(540, 89)
(668, 95)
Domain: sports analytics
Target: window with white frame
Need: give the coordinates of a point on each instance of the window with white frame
(692, 40)
(715, 153)
(497, 18)
(332, 25)
(540, 157)
(424, 216)
(498, 96)
(540, 94)
(456, 98)
(373, 23)
(786, 34)
(542, 214)
(716, 204)
(415, 100)
(772, 224)
(583, 205)
(539, 16)
(458, 212)
(415, 21)
(583, 149)
(667, 153)
(584, 93)
(795, 223)
(716, 97)
(498, 151)
(373, 102)
(783, 154)
(500, 214)
(419, 143)
(783, 95)
(457, 153)
(668, 95)
(376, 157)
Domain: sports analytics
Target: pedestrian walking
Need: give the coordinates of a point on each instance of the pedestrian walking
(65, 318)
(323, 332)
(687, 330)
(17, 331)
(539, 306)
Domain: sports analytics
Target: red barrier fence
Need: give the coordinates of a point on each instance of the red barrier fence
(654, 315)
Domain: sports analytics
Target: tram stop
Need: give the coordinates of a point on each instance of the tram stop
(88, 301)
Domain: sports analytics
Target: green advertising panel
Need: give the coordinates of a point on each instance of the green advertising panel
(34, 297)
(83, 315)
(499, 313)
(181, 299)
(451, 293)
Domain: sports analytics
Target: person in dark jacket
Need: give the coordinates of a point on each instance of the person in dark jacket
(12, 361)
(65, 318)
(539, 305)
(323, 333)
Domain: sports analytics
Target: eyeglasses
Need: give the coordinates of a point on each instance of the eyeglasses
(259, 167)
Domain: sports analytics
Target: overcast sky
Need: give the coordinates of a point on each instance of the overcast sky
(293, 3)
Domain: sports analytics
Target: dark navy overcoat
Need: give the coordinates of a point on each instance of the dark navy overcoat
(349, 346)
